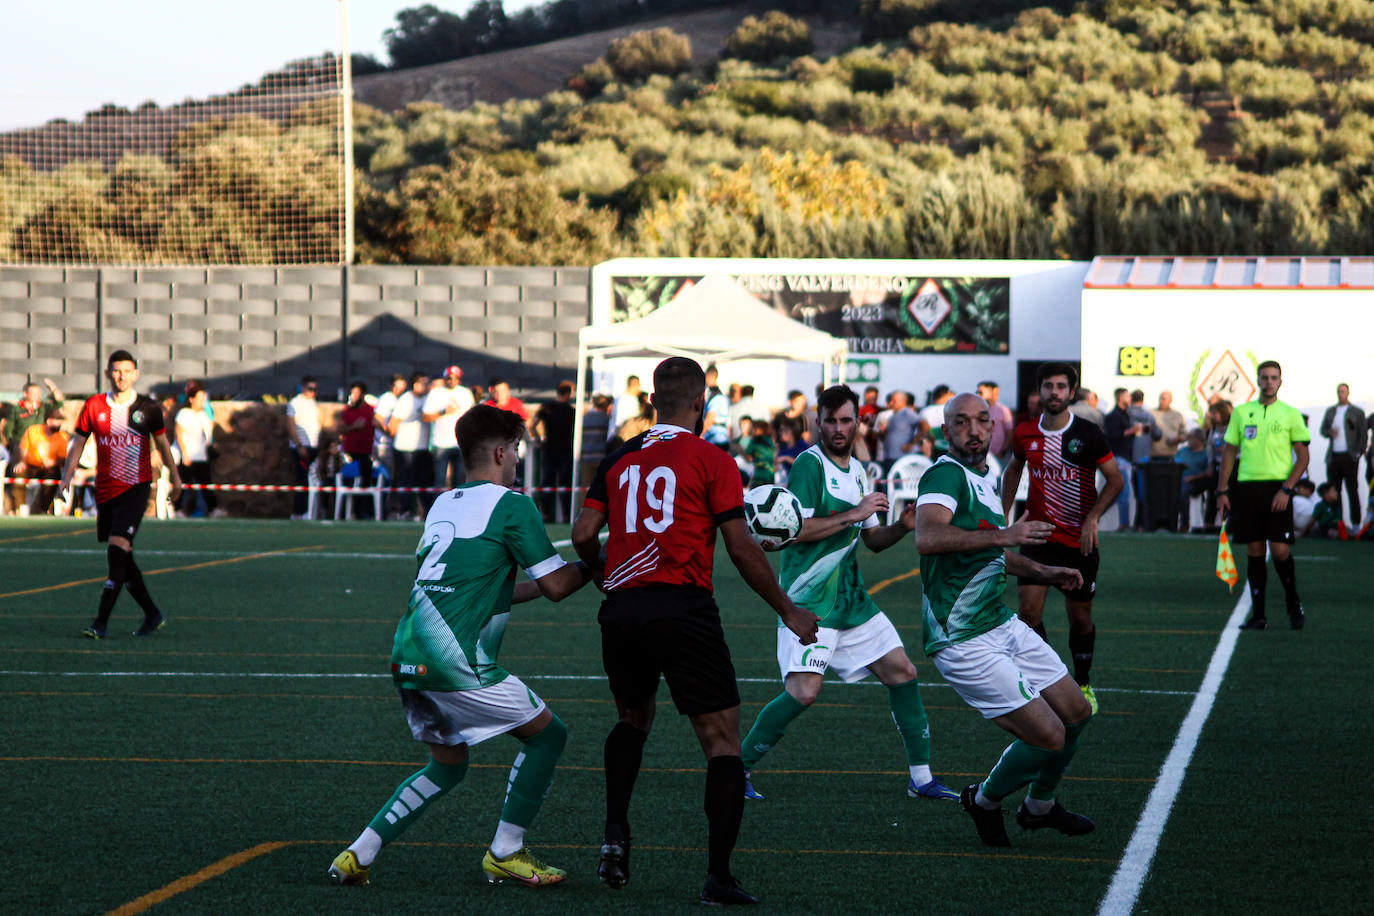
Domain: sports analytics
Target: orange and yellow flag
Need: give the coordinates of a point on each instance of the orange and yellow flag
(1226, 562)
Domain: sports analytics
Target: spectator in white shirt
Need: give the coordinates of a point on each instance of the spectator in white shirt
(410, 440)
(626, 406)
(303, 424)
(443, 406)
(195, 433)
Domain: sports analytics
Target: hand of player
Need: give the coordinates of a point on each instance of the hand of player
(908, 517)
(1026, 532)
(801, 622)
(174, 490)
(1087, 542)
(873, 502)
(1063, 577)
(1224, 506)
(1280, 502)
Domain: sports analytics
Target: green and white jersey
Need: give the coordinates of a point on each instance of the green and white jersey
(823, 576)
(961, 593)
(474, 538)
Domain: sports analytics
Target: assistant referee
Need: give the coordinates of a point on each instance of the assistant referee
(1271, 438)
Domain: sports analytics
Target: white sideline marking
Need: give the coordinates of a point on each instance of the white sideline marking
(287, 675)
(1130, 875)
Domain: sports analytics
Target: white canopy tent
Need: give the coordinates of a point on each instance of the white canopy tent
(714, 321)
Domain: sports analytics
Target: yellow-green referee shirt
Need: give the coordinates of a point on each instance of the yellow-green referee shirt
(1264, 437)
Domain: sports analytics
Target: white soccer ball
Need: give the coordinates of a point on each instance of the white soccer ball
(774, 516)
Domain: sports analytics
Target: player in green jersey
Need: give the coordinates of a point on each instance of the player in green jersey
(821, 573)
(986, 653)
(1271, 439)
(444, 657)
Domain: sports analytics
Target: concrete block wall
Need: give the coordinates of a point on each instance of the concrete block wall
(250, 331)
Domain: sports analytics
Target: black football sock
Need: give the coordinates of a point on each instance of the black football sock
(134, 583)
(1081, 647)
(118, 561)
(724, 811)
(1288, 578)
(1256, 574)
(623, 753)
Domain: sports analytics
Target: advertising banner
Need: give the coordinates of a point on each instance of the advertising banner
(878, 315)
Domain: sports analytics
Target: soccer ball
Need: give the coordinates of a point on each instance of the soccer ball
(774, 516)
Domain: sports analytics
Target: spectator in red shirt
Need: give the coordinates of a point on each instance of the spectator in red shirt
(355, 431)
(501, 397)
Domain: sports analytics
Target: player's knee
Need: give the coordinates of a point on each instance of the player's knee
(553, 736)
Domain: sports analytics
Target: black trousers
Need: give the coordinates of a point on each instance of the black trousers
(1344, 468)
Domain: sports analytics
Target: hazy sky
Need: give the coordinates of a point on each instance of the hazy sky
(62, 58)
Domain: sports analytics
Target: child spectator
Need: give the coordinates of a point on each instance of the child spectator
(1326, 517)
(762, 453)
(1197, 475)
(1304, 504)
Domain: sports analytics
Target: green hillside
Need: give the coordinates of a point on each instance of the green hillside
(1125, 126)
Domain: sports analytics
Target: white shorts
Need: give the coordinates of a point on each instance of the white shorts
(847, 652)
(469, 717)
(1000, 671)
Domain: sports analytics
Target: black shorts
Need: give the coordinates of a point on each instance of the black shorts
(122, 515)
(1253, 519)
(1052, 554)
(672, 632)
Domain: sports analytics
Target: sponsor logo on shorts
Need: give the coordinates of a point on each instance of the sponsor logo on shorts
(819, 662)
(1021, 686)
(421, 670)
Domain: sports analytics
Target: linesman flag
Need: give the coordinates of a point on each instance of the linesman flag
(1226, 562)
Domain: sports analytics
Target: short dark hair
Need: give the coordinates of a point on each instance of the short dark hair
(794, 393)
(52, 411)
(359, 384)
(565, 388)
(677, 382)
(1326, 487)
(1306, 485)
(987, 383)
(497, 380)
(416, 376)
(1049, 370)
(835, 397)
(484, 424)
(193, 388)
(1137, 397)
(631, 378)
(1118, 392)
(120, 356)
(746, 391)
(1269, 364)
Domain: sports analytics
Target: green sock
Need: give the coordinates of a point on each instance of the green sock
(531, 776)
(1020, 763)
(769, 727)
(414, 796)
(1042, 789)
(910, 715)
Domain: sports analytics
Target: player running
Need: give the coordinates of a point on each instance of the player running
(821, 573)
(444, 657)
(1064, 453)
(127, 426)
(993, 660)
(664, 495)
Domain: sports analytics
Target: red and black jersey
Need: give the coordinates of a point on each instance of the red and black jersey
(123, 441)
(1063, 467)
(664, 494)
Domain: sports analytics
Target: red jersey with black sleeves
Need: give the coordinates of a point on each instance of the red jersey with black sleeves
(664, 495)
(1063, 465)
(123, 441)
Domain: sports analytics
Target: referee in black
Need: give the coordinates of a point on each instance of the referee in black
(1271, 439)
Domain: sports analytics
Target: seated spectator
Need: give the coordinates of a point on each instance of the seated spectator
(42, 452)
(1304, 505)
(1198, 477)
(761, 452)
(1326, 517)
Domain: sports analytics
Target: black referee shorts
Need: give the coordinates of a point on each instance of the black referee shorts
(1052, 554)
(668, 632)
(122, 515)
(1253, 519)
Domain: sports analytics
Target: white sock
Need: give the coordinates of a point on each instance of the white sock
(509, 839)
(920, 774)
(983, 801)
(366, 846)
(1038, 806)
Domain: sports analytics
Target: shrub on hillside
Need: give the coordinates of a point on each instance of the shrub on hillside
(592, 78)
(769, 37)
(642, 54)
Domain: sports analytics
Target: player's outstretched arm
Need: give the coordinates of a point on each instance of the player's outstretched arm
(881, 537)
(753, 567)
(74, 446)
(554, 586)
(586, 539)
(935, 534)
(1061, 576)
(818, 528)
